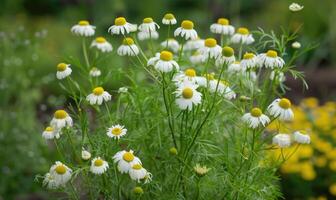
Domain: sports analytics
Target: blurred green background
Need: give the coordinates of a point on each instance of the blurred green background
(35, 36)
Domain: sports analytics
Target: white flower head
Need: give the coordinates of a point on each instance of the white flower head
(63, 70)
(210, 49)
(171, 44)
(294, 7)
(281, 108)
(125, 160)
(169, 19)
(222, 27)
(148, 25)
(50, 133)
(98, 96)
(101, 44)
(301, 138)
(250, 60)
(116, 131)
(163, 62)
(123, 90)
(98, 166)
(193, 44)
(196, 58)
(222, 89)
(128, 48)
(83, 28)
(186, 30)
(121, 26)
(282, 140)
(137, 172)
(143, 35)
(61, 119)
(187, 96)
(235, 67)
(49, 181)
(226, 57)
(86, 155)
(95, 72)
(255, 118)
(242, 36)
(296, 45)
(187, 75)
(60, 173)
(271, 60)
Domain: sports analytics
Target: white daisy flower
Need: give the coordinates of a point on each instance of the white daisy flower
(116, 131)
(193, 44)
(249, 61)
(280, 76)
(142, 35)
(226, 57)
(235, 67)
(271, 60)
(83, 28)
(95, 72)
(203, 80)
(63, 70)
(101, 44)
(50, 133)
(98, 166)
(301, 138)
(294, 7)
(188, 75)
(242, 36)
(148, 25)
(186, 30)
(281, 108)
(61, 119)
(223, 89)
(98, 96)
(169, 19)
(210, 49)
(121, 26)
(255, 118)
(128, 48)
(187, 96)
(171, 44)
(86, 155)
(60, 173)
(196, 58)
(137, 172)
(163, 62)
(123, 90)
(282, 140)
(296, 45)
(125, 160)
(222, 27)
(49, 181)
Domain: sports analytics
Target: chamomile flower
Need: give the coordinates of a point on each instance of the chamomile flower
(235, 67)
(171, 44)
(60, 173)
(210, 49)
(83, 28)
(137, 172)
(186, 30)
(187, 96)
(98, 166)
(121, 26)
(128, 48)
(255, 118)
(148, 25)
(86, 155)
(281, 108)
(282, 140)
(63, 70)
(187, 75)
(193, 44)
(201, 170)
(95, 72)
(222, 27)
(163, 62)
(242, 36)
(142, 35)
(101, 44)
(271, 60)
(294, 7)
(222, 89)
(61, 119)
(301, 138)
(49, 181)
(116, 131)
(196, 58)
(296, 45)
(226, 57)
(98, 96)
(169, 19)
(125, 160)
(50, 133)
(250, 60)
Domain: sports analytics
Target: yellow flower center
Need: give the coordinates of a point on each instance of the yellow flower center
(224, 82)
(49, 129)
(166, 55)
(209, 76)
(83, 23)
(248, 56)
(60, 169)
(243, 31)
(190, 72)
(61, 67)
(128, 41)
(147, 20)
(187, 93)
(223, 21)
(227, 51)
(120, 21)
(116, 131)
(210, 42)
(256, 112)
(236, 62)
(272, 54)
(137, 166)
(169, 16)
(60, 114)
(128, 156)
(98, 91)
(285, 103)
(98, 162)
(187, 24)
(100, 40)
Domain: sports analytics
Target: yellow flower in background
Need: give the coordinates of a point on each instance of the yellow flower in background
(321, 161)
(310, 102)
(332, 165)
(332, 189)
